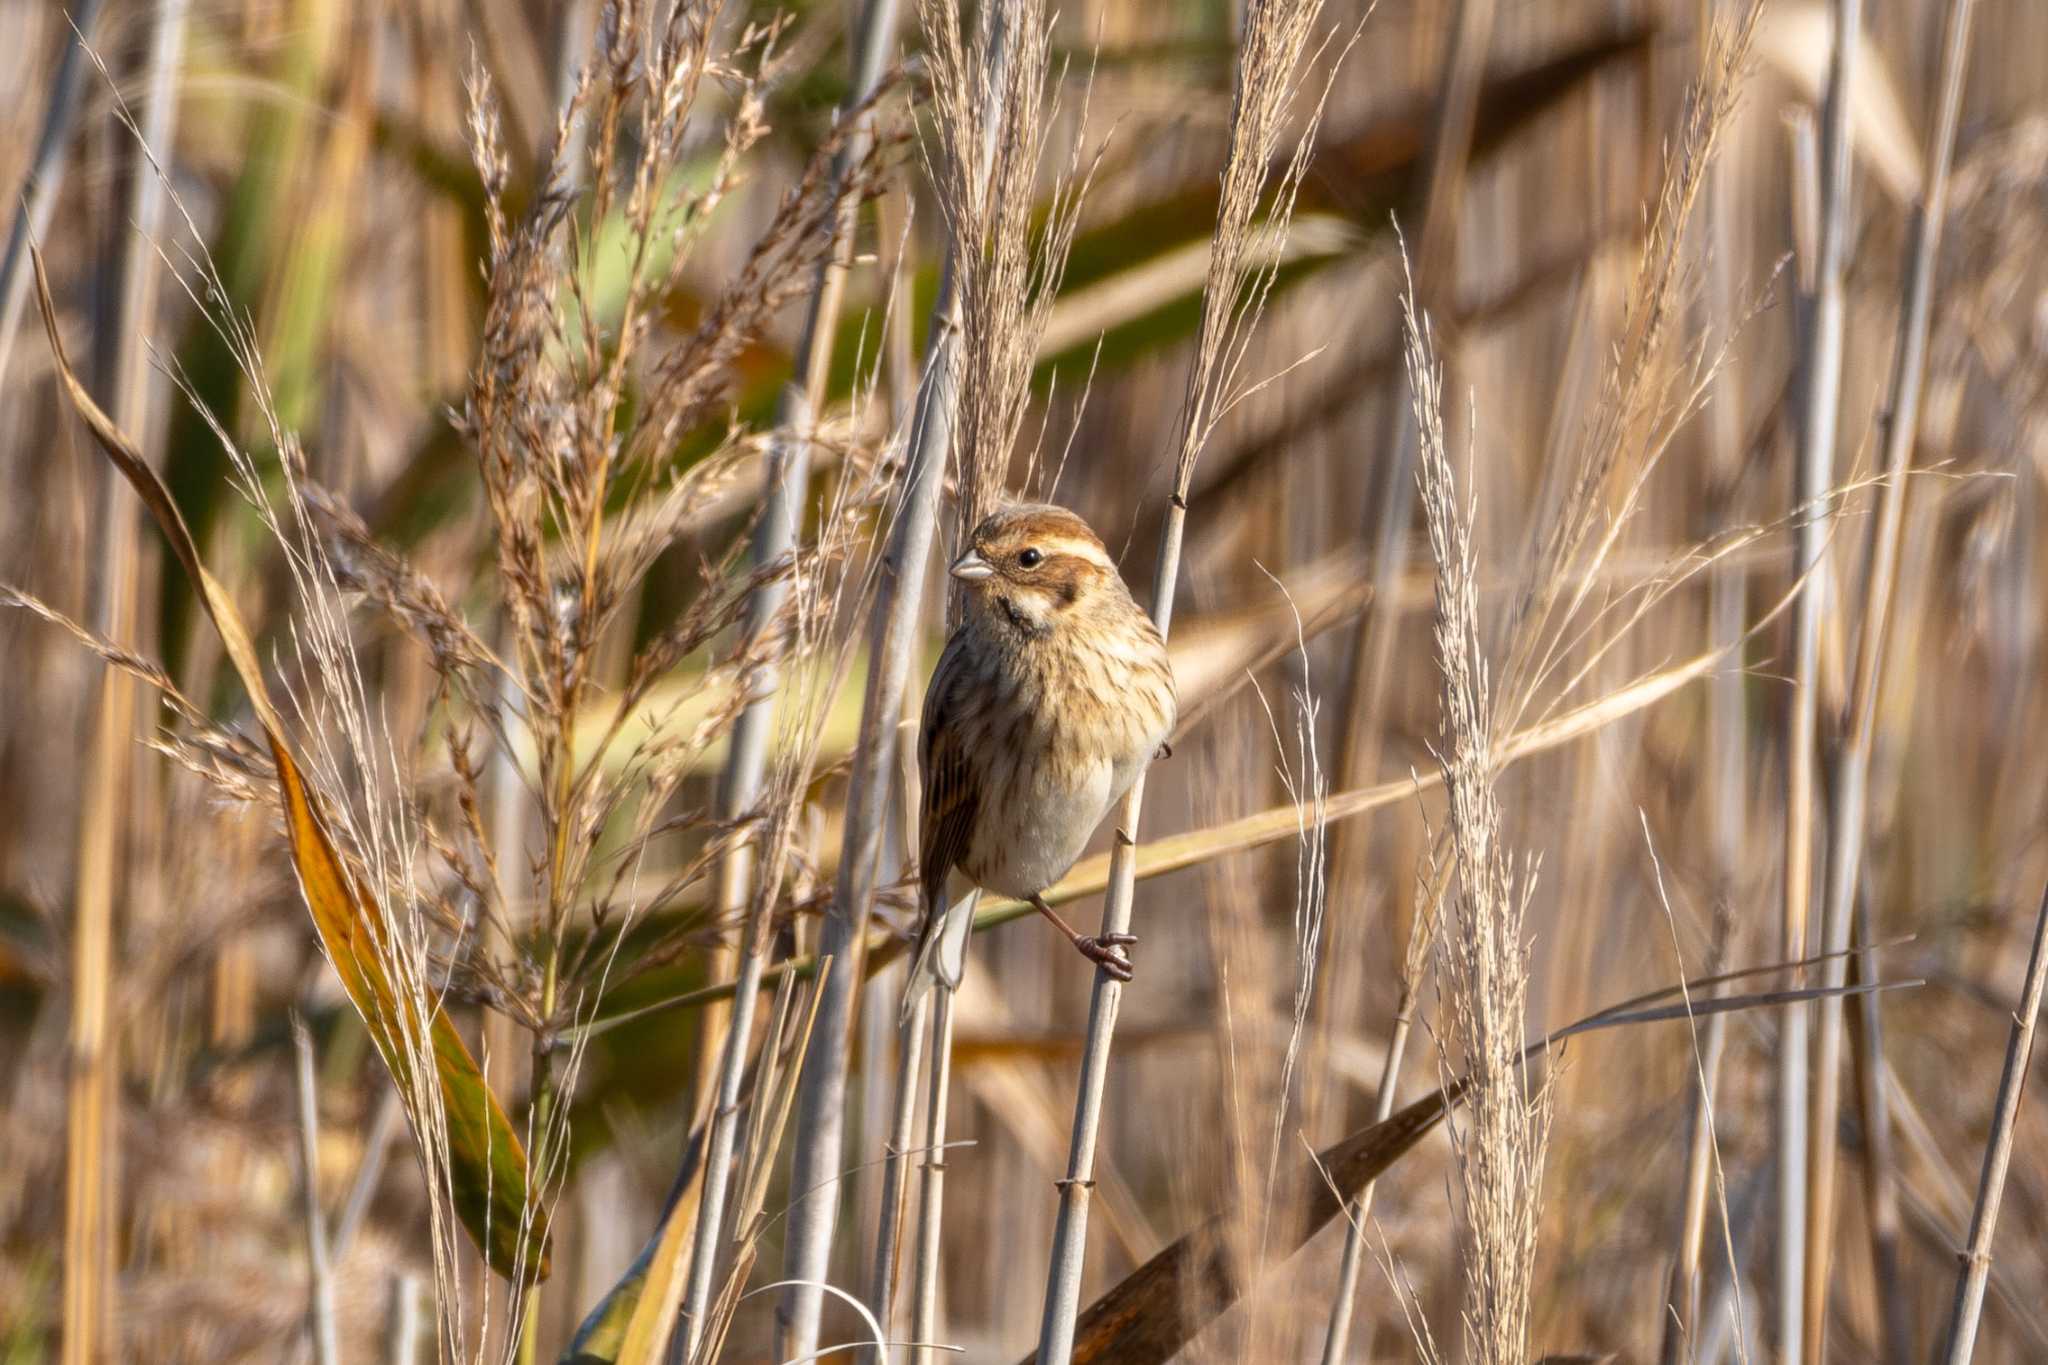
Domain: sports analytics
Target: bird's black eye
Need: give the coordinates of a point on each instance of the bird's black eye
(1029, 559)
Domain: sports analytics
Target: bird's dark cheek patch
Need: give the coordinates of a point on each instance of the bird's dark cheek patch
(1025, 620)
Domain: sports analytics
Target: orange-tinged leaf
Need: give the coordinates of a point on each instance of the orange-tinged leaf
(487, 1163)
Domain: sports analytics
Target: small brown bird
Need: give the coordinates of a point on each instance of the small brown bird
(1053, 693)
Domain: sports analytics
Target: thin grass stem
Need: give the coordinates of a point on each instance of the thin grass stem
(105, 801)
(1848, 813)
(37, 200)
(1820, 407)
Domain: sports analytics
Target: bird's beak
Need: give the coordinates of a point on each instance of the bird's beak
(972, 568)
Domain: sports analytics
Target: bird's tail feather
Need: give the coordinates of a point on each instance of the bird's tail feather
(941, 952)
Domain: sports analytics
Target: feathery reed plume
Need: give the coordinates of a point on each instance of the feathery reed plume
(992, 113)
(581, 506)
(1301, 776)
(1361, 729)
(1483, 954)
(556, 707)
(1646, 395)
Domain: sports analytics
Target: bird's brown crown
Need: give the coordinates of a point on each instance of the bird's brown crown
(1034, 563)
(1039, 541)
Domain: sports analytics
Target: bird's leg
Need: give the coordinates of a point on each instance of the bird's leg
(1105, 951)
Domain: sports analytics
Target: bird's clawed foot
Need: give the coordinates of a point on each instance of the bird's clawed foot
(1107, 952)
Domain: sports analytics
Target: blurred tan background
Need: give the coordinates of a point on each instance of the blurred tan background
(318, 156)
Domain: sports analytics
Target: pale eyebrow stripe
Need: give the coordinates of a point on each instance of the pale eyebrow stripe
(1075, 546)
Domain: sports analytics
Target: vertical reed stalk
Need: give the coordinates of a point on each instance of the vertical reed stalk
(893, 635)
(402, 1320)
(775, 535)
(995, 118)
(1820, 411)
(1848, 813)
(89, 1213)
(1727, 740)
(1682, 1321)
(1880, 1175)
(924, 1328)
(1272, 45)
(895, 1171)
(2012, 1082)
(1337, 1342)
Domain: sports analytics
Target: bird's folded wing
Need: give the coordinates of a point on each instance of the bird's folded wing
(952, 798)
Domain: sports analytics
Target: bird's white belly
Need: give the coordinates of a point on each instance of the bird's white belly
(1052, 824)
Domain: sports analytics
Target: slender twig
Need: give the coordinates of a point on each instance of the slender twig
(1821, 410)
(2019, 1053)
(774, 536)
(1849, 809)
(320, 1274)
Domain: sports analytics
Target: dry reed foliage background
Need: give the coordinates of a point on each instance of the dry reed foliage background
(1600, 528)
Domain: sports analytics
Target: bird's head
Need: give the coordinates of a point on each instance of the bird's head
(1034, 564)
